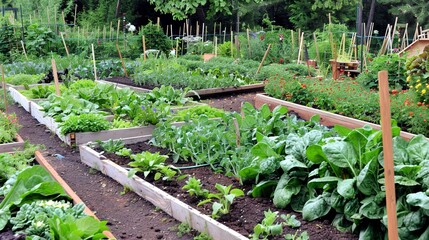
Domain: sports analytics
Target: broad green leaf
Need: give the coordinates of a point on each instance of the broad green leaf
(300, 199)
(419, 199)
(367, 178)
(291, 162)
(371, 209)
(88, 225)
(358, 141)
(216, 207)
(315, 208)
(400, 152)
(341, 154)
(237, 192)
(346, 188)
(342, 131)
(264, 188)
(280, 110)
(321, 182)
(404, 181)
(312, 137)
(315, 154)
(371, 232)
(249, 172)
(425, 234)
(263, 150)
(418, 149)
(4, 218)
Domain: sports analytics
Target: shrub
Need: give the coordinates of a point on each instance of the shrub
(393, 63)
(418, 76)
(156, 39)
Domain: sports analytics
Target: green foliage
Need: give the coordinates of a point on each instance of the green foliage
(60, 107)
(32, 218)
(202, 236)
(8, 128)
(194, 112)
(225, 48)
(156, 39)
(393, 63)
(418, 75)
(41, 91)
(23, 79)
(83, 228)
(111, 145)
(31, 184)
(290, 220)
(38, 39)
(124, 152)
(167, 95)
(181, 10)
(7, 40)
(297, 236)
(11, 163)
(87, 122)
(225, 197)
(194, 187)
(183, 229)
(152, 163)
(267, 227)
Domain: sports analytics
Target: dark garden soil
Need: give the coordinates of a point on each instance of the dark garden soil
(131, 217)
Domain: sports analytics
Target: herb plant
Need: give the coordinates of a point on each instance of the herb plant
(225, 197)
(8, 128)
(194, 187)
(84, 123)
(152, 163)
(111, 145)
(267, 227)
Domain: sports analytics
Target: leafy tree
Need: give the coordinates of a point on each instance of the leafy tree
(418, 9)
(181, 9)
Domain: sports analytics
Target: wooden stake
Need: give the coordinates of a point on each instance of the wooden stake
(117, 31)
(224, 35)
(110, 34)
(122, 60)
(232, 45)
(23, 50)
(55, 22)
(292, 40)
(64, 21)
(55, 74)
(202, 30)
(248, 43)
(393, 34)
(104, 33)
(389, 174)
(93, 60)
(75, 14)
(177, 48)
(158, 20)
(64, 42)
(263, 59)
(215, 48)
(316, 47)
(214, 30)
(144, 48)
(197, 29)
(220, 29)
(4, 88)
(416, 32)
(171, 30)
(237, 132)
(300, 48)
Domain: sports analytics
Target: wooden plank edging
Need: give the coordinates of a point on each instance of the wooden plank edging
(10, 147)
(326, 118)
(76, 199)
(20, 98)
(169, 204)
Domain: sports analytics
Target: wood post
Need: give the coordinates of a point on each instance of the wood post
(232, 44)
(316, 47)
(122, 60)
(248, 43)
(65, 45)
(23, 50)
(75, 13)
(64, 21)
(263, 59)
(300, 47)
(215, 46)
(292, 40)
(117, 30)
(144, 48)
(55, 74)
(4, 88)
(93, 59)
(389, 174)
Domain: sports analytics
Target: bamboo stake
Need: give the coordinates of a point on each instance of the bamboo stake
(368, 43)
(263, 59)
(197, 29)
(389, 174)
(248, 42)
(93, 59)
(78, 30)
(75, 14)
(224, 35)
(144, 48)
(203, 31)
(292, 40)
(64, 21)
(416, 32)
(232, 45)
(64, 42)
(4, 88)
(104, 33)
(300, 47)
(117, 31)
(316, 47)
(110, 31)
(393, 33)
(158, 20)
(55, 74)
(215, 48)
(122, 60)
(171, 30)
(177, 47)
(23, 50)
(214, 30)
(220, 29)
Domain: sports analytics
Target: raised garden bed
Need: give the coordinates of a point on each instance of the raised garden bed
(75, 198)
(10, 147)
(124, 82)
(326, 118)
(156, 196)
